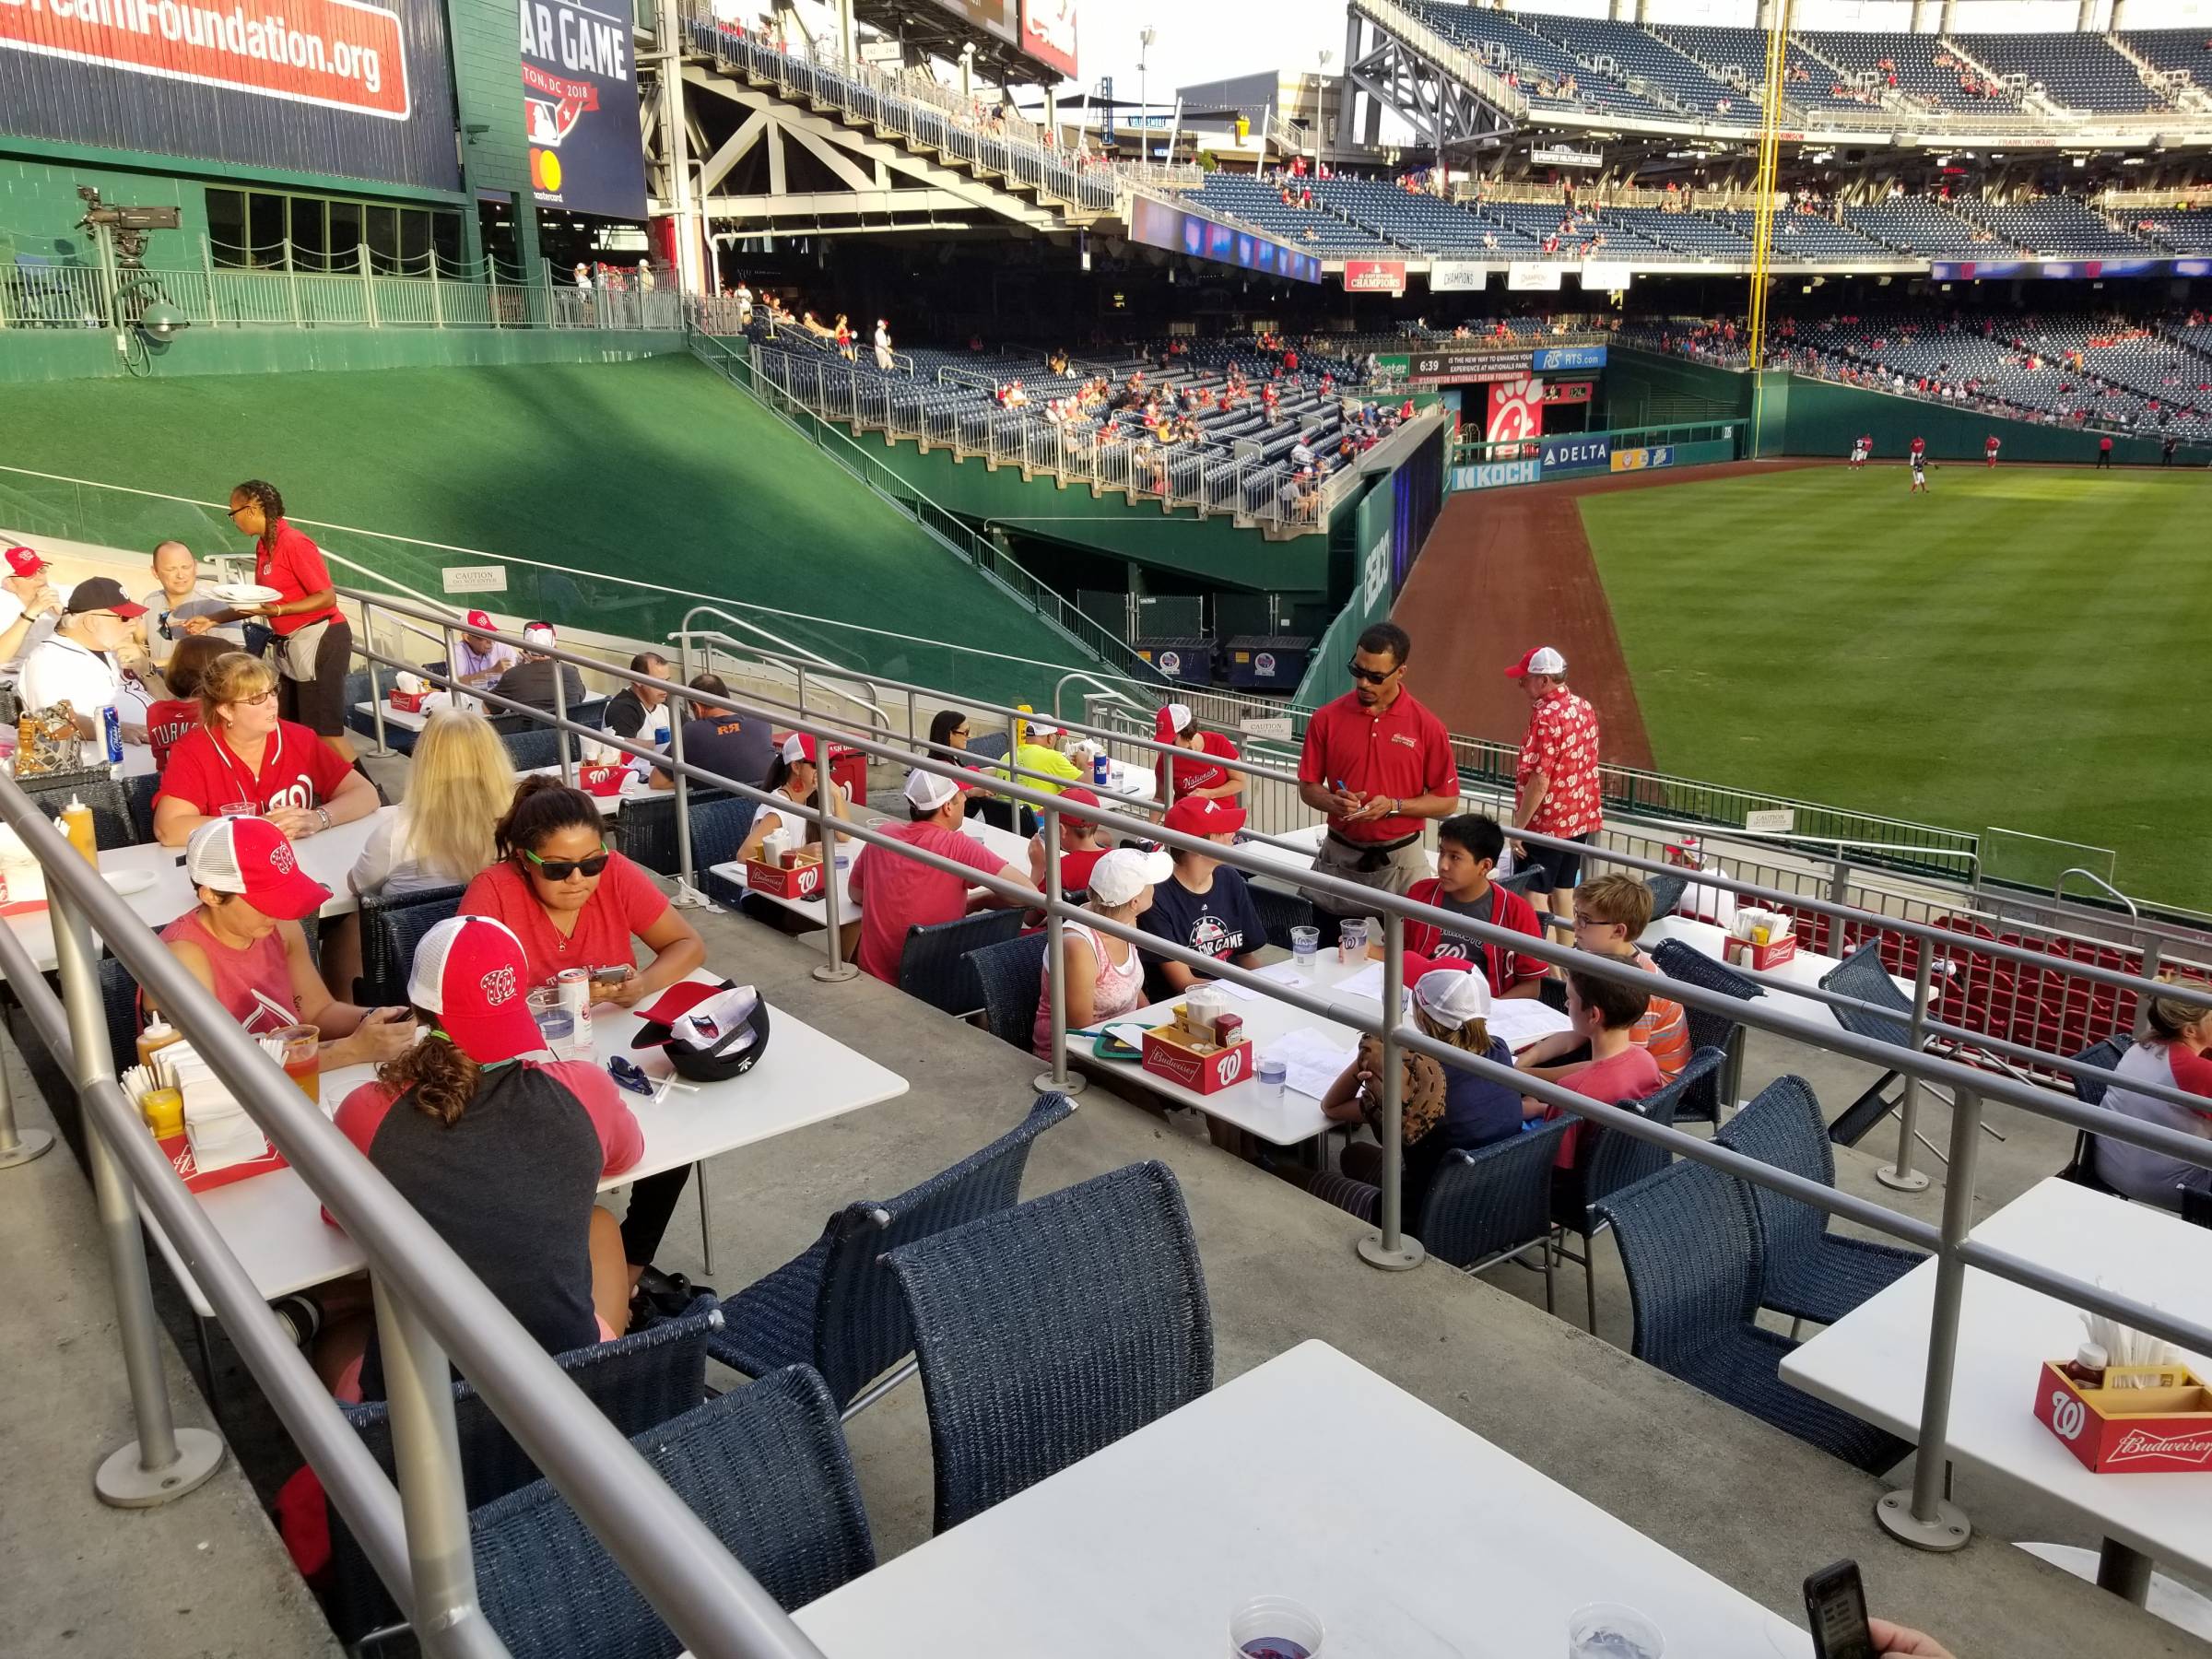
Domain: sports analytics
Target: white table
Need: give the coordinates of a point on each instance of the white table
(1009, 846)
(1295, 1118)
(406, 720)
(1412, 1540)
(1807, 968)
(633, 789)
(1873, 1362)
(329, 857)
(274, 1224)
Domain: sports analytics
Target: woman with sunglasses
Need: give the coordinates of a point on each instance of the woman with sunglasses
(244, 758)
(575, 903)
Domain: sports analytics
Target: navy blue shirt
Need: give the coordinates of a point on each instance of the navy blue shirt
(1220, 922)
(1478, 1112)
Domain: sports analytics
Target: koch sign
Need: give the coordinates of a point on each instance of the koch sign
(1495, 475)
(1576, 451)
(580, 101)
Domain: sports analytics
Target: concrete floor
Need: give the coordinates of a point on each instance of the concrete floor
(1743, 1501)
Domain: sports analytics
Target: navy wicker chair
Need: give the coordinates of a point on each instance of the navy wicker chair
(1606, 1162)
(533, 746)
(638, 1381)
(139, 795)
(1666, 893)
(2082, 1169)
(1011, 978)
(391, 926)
(110, 809)
(990, 746)
(1053, 1329)
(119, 1001)
(1693, 967)
(1280, 912)
(1688, 1238)
(2197, 1208)
(1521, 881)
(648, 824)
(1861, 975)
(835, 1308)
(1807, 1273)
(765, 1468)
(935, 965)
(1494, 1205)
(719, 825)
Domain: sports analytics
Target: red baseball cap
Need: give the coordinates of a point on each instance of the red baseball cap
(23, 561)
(471, 972)
(251, 857)
(1078, 795)
(800, 747)
(1541, 659)
(481, 623)
(1196, 815)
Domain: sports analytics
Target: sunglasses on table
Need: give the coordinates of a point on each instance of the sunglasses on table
(560, 870)
(1368, 675)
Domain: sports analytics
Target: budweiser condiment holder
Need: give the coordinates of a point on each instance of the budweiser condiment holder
(2161, 1426)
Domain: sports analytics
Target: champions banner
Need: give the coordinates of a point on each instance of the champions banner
(580, 101)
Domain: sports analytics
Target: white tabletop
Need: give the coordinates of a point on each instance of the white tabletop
(1873, 1362)
(1807, 968)
(634, 788)
(1413, 1538)
(1004, 843)
(274, 1224)
(407, 720)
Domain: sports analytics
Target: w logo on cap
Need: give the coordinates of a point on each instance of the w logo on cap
(281, 859)
(498, 986)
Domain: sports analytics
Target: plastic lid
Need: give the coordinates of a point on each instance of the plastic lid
(2090, 1355)
(159, 1027)
(74, 805)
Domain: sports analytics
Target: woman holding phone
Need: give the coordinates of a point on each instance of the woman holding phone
(575, 902)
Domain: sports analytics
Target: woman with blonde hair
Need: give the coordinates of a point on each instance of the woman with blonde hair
(245, 759)
(2177, 1029)
(460, 783)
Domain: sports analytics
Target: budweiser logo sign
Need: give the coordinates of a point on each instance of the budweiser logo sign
(2193, 1446)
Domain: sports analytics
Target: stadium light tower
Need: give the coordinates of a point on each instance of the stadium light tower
(1144, 37)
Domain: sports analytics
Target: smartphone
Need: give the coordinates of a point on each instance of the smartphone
(615, 975)
(1835, 1610)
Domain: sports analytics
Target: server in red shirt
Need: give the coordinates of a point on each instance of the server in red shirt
(1377, 761)
(1204, 772)
(242, 759)
(315, 643)
(1556, 780)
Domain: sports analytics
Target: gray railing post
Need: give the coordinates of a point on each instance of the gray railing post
(17, 1146)
(1923, 1517)
(164, 1461)
(426, 1461)
(1392, 1250)
(687, 890)
(1899, 1174)
(836, 971)
(1054, 966)
(560, 714)
(376, 699)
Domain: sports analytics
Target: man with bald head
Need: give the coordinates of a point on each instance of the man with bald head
(183, 604)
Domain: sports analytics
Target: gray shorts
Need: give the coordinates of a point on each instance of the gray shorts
(1392, 872)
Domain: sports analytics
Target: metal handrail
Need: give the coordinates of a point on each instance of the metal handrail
(2058, 888)
(825, 669)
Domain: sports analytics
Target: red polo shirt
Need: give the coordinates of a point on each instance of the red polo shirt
(1201, 767)
(1398, 754)
(292, 564)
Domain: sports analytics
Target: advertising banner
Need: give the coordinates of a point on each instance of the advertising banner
(1449, 277)
(1375, 275)
(1576, 452)
(580, 100)
(359, 88)
(1568, 392)
(1558, 155)
(1559, 359)
(1048, 34)
(1000, 17)
(1516, 410)
(2067, 270)
(1608, 276)
(1643, 458)
(1157, 224)
(1495, 475)
(1529, 278)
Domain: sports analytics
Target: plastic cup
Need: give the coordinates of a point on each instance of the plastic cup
(1274, 1627)
(239, 809)
(1609, 1631)
(1305, 944)
(1351, 940)
(1270, 1078)
(303, 1058)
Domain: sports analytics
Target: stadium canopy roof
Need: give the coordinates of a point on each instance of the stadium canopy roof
(943, 30)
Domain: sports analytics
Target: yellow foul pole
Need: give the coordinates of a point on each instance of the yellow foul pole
(1762, 249)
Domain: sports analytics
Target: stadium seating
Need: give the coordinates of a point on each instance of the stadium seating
(1734, 52)
(1918, 224)
(1926, 71)
(1424, 222)
(1539, 67)
(2181, 52)
(2056, 228)
(2181, 230)
(2073, 71)
(1805, 235)
(1643, 63)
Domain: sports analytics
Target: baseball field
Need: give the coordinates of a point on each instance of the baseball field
(2025, 648)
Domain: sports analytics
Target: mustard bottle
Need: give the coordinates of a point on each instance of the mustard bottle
(77, 824)
(164, 1111)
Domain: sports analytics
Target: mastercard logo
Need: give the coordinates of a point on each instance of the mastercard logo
(545, 170)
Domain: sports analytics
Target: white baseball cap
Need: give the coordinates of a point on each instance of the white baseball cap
(540, 633)
(1127, 871)
(1179, 716)
(928, 791)
(1450, 996)
(1542, 660)
(1043, 728)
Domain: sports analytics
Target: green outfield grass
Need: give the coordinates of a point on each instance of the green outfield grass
(2023, 648)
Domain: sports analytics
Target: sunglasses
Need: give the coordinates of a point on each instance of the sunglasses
(1368, 676)
(560, 870)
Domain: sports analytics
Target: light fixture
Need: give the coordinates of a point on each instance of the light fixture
(163, 321)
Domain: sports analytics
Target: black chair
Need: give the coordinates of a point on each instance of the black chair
(1011, 978)
(638, 1382)
(1689, 1242)
(1605, 1161)
(765, 1468)
(1280, 912)
(139, 795)
(531, 747)
(2197, 1208)
(110, 809)
(1666, 893)
(836, 1307)
(1494, 1205)
(393, 924)
(1051, 1330)
(991, 746)
(119, 1001)
(1862, 975)
(1693, 967)
(935, 964)
(1523, 882)
(1808, 1271)
(648, 825)
(719, 825)
(2081, 1168)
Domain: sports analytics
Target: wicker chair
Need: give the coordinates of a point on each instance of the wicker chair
(1494, 1205)
(1053, 1329)
(139, 795)
(1605, 1162)
(1862, 975)
(1666, 893)
(648, 825)
(1808, 1271)
(1688, 1238)
(1280, 912)
(1693, 967)
(391, 926)
(835, 1306)
(1011, 977)
(110, 809)
(533, 746)
(2082, 1169)
(765, 1468)
(936, 964)
(638, 1381)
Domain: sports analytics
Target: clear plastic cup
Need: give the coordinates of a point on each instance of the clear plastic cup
(1351, 939)
(1305, 944)
(1270, 1078)
(1609, 1631)
(1274, 1627)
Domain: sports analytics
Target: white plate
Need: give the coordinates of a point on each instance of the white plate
(246, 593)
(128, 882)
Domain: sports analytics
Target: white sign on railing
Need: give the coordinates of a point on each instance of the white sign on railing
(1773, 820)
(1266, 725)
(475, 579)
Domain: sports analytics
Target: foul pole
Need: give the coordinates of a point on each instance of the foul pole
(1762, 240)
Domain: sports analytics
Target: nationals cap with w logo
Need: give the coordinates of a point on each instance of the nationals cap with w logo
(250, 857)
(470, 971)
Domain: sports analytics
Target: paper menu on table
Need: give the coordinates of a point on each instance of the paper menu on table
(1312, 1060)
(1520, 1020)
(1367, 982)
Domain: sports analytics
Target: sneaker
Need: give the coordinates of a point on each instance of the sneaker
(300, 1316)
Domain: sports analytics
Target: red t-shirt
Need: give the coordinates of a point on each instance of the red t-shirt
(1919, 444)
(292, 564)
(896, 893)
(1398, 754)
(1201, 768)
(167, 722)
(1562, 744)
(624, 905)
(297, 769)
(1628, 1075)
(1504, 968)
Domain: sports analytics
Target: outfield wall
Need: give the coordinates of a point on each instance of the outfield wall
(71, 354)
(1820, 417)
